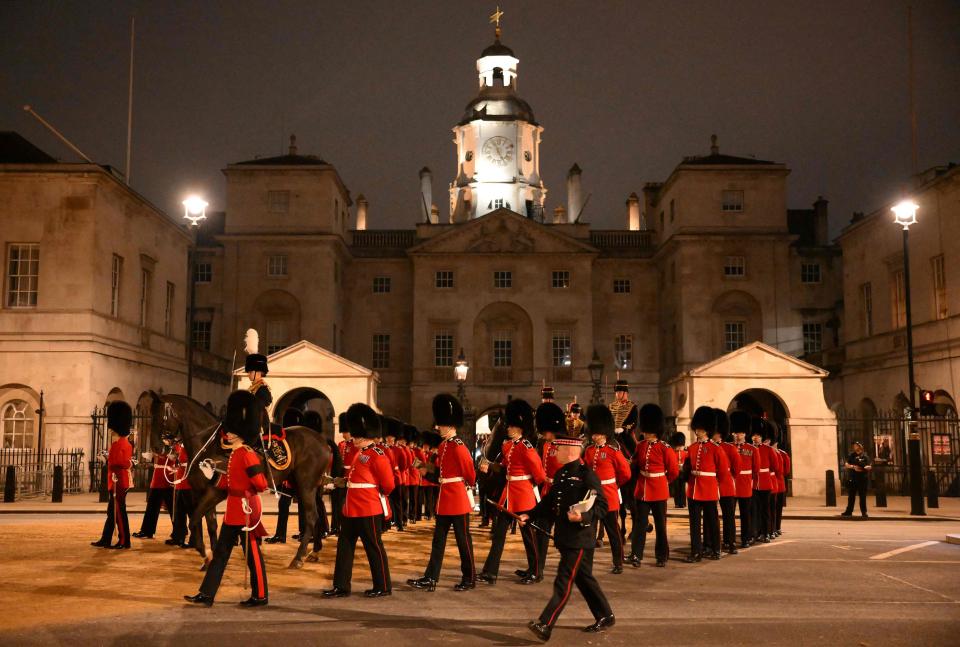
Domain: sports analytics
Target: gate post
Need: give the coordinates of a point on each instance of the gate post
(831, 490)
(10, 487)
(933, 490)
(880, 486)
(57, 484)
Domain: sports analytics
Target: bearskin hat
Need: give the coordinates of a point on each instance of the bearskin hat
(757, 428)
(599, 420)
(243, 416)
(678, 439)
(550, 418)
(392, 427)
(363, 422)
(773, 430)
(519, 413)
(722, 425)
(411, 434)
(739, 422)
(431, 438)
(650, 419)
(704, 419)
(119, 417)
(342, 423)
(447, 411)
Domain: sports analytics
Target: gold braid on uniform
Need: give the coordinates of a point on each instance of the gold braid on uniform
(574, 427)
(620, 411)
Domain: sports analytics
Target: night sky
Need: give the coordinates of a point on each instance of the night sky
(625, 89)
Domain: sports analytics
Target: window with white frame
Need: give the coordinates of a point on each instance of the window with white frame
(621, 286)
(443, 348)
(812, 338)
(116, 271)
(866, 305)
(939, 287)
(381, 284)
(23, 273)
(381, 351)
(502, 349)
(202, 272)
(146, 278)
(560, 279)
(200, 334)
(734, 267)
(560, 347)
(623, 351)
(732, 201)
(502, 279)
(168, 310)
(443, 279)
(279, 201)
(734, 335)
(810, 272)
(17, 419)
(277, 265)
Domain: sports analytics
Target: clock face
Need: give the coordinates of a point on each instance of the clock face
(498, 151)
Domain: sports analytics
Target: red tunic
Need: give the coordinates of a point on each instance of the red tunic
(244, 481)
(159, 479)
(182, 463)
(119, 462)
(728, 477)
(456, 474)
(548, 456)
(776, 472)
(348, 451)
(524, 471)
(749, 469)
(612, 469)
(785, 470)
(413, 474)
(764, 480)
(658, 468)
(371, 480)
(707, 460)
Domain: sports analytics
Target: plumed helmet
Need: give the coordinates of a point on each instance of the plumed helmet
(519, 413)
(549, 418)
(678, 439)
(363, 422)
(722, 425)
(599, 420)
(255, 361)
(243, 416)
(447, 411)
(650, 419)
(704, 419)
(621, 385)
(546, 393)
(342, 423)
(739, 422)
(313, 420)
(119, 417)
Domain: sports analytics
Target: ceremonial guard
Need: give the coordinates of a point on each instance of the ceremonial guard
(411, 439)
(609, 464)
(546, 394)
(183, 501)
(243, 481)
(550, 421)
(523, 470)
(119, 463)
(392, 429)
(454, 502)
(728, 481)
(678, 441)
(574, 421)
(625, 423)
(369, 483)
(786, 469)
(430, 471)
(778, 483)
(762, 484)
(161, 488)
(568, 505)
(657, 468)
(704, 462)
(347, 452)
(256, 368)
(746, 475)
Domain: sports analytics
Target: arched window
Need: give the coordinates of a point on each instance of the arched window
(17, 423)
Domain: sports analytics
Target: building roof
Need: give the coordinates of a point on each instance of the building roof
(284, 160)
(15, 149)
(498, 103)
(497, 49)
(716, 159)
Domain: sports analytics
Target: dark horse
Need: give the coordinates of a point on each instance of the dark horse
(310, 456)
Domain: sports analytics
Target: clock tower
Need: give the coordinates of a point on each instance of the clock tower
(498, 144)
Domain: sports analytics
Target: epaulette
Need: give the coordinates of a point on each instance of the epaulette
(457, 440)
(526, 443)
(378, 449)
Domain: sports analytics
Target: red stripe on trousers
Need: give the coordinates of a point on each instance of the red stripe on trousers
(466, 531)
(563, 602)
(383, 567)
(257, 564)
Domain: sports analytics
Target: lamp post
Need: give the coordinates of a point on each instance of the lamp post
(195, 211)
(905, 214)
(596, 375)
(460, 370)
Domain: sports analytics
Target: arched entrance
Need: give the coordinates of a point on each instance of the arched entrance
(484, 426)
(291, 406)
(767, 405)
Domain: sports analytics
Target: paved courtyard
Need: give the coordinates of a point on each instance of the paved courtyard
(824, 582)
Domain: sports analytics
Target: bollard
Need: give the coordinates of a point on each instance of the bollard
(57, 484)
(104, 494)
(933, 490)
(880, 487)
(10, 487)
(831, 490)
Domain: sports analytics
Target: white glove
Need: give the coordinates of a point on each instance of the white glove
(147, 456)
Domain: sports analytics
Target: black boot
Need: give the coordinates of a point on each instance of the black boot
(423, 583)
(465, 585)
(601, 624)
(254, 602)
(200, 598)
(336, 592)
(539, 629)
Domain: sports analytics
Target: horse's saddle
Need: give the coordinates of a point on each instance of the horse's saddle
(279, 454)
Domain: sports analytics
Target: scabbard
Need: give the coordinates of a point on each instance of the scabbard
(517, 517)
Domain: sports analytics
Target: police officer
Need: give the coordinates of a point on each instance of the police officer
(858, 466)
(119, 463)
(573, 535)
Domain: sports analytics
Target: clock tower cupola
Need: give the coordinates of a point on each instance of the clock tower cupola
(498, 143)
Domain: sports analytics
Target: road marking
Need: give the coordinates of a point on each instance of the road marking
(904, 549)
(840, 559)
(916, 586)
(779, 542)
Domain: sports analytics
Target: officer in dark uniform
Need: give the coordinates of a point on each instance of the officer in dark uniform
(256, 368)
(573, 537)
(858, 466)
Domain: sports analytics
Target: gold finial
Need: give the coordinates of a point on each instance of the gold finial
(495, 18)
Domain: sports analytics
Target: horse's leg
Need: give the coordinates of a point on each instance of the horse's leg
(307, 491)
(205, 506)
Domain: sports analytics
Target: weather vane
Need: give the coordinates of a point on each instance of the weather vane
(495, 19)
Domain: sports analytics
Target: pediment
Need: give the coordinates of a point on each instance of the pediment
(502, 232)
(758, 360)
(307, 359)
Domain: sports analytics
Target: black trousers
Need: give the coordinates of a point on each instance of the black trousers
(761, 513)
(156, 497)
(283, 514)
(781, 503)
(321, 528)
(461, 532)
(705, 512)
(728, 508)
(221, 555)
(116, 519)
(575, 567)
(611, 523)
(369, 531)
(746, 520)
(336, 503)
(659, 511)
(543, 542)
(396, 506)
(501, 524)
(679, 492)
(181, 520)
(855, 488)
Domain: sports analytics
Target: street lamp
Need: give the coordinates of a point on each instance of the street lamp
(905, 214)
(596, 375)
(195, 211)
(460, 370)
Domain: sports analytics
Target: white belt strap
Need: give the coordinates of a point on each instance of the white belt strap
(652, 475)
(764, 469)
(612, 481)
(698, 473)
(455, 479)
(549, 480)
(746, 471)
(351, 485)
(525, 477)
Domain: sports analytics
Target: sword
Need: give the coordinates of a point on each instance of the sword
(517, 517)
(207, 465)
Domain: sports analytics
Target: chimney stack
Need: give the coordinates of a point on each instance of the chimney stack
(559, 215)
(633, 212)
(714, 148)
(293, 145)
(820, 223)
(426, 195)
(434, 214)
(574, 193)
(361, 212)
